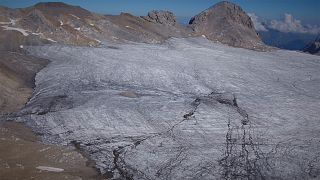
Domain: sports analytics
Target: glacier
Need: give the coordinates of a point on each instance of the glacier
(185, 109)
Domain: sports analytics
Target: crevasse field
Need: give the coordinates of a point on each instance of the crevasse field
(185, 109)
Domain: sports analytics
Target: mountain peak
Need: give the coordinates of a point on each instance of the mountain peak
(52, 4)
(226, 22)
(231, 11)
(58, 8)
(226, 4)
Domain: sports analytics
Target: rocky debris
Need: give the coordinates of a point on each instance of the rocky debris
(227, 23)
(313, 47)
(161, 17)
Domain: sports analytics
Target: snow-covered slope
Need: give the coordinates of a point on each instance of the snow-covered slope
(186, 109)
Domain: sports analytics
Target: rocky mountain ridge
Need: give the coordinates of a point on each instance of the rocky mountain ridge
(62, 23)
(227, 23)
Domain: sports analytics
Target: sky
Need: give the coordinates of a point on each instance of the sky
(305, 10)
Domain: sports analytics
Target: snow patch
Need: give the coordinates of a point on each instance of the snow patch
(45, 149)
(23, 31)
(13, 22)
(21, 46)
(61, 23)
(49, 39)
(78, 28)
(50, 169)
(5, 23)
(74, 16)
(37, 34)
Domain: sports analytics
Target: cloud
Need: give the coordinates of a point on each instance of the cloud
(290, 24)
(287, 24)
(257, 24)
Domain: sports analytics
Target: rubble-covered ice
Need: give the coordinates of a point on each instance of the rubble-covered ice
(196, 110)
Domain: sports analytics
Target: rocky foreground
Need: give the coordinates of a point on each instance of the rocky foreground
(186, 109)
(22, 156)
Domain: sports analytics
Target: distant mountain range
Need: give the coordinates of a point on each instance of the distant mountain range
(286, 40)
(313, 47)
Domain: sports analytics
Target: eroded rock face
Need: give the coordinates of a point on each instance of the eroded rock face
(227, 23)
(161, 17)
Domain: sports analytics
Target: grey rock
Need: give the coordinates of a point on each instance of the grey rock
(36, 21)
(227, 23)
(161, 17)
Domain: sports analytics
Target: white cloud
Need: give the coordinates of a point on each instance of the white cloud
(289, 24)
(257, 24)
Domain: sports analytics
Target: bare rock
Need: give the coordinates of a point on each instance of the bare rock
(161, 17)
(227, 23)
(129, 94)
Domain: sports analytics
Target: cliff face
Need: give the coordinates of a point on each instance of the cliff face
(227, 23)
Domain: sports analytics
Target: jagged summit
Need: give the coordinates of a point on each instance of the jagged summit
(162, 17)
(227, 23)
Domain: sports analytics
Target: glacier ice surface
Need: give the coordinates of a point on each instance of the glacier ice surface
(200, 110)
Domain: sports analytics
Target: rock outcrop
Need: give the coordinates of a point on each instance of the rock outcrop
(227, 23)
(161, 17)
